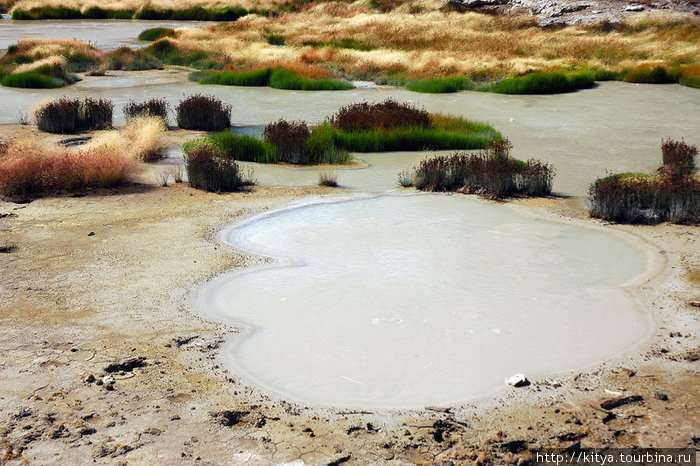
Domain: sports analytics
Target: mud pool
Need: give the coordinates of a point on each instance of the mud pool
(411, 301)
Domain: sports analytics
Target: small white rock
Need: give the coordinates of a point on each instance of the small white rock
(107, 380)
(518, 380)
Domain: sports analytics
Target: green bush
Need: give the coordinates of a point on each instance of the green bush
(46, 12)
(321, 147)
(274, 39)
(156, 33)
(242, 147)
(32, 80)
(440, 85)
(232, 78)
(554, 82)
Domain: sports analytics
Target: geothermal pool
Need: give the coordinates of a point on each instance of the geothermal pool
(615, 127)
(410, 301)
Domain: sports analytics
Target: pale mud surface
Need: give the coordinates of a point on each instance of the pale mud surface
(108, 277)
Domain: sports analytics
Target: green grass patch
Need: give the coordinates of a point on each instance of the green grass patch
(440, 85)
(243, 147)
(232, 78)
(411, 139)
(167, 53)
(647, 74)
(277, 78)
(344, 43)
(32, 80)
(554, 82)
(152, 34)
(230, 13)
(274, 39)
(285, 79)
(47, 12)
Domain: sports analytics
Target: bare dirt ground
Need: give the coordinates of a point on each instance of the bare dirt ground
(100, 285)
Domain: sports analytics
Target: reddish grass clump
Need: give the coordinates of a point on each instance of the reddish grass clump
(385, 115)
(204, 113)
(29, 169)
(492, 173)
(289, 139)
(678, 157)
(208, 170)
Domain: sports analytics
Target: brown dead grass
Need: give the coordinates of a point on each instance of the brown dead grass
(435, 43)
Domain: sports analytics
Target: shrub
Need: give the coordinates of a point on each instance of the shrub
(678, 157)
(153, 107)
(635, 199)
(201, 112)
(58, 116)
(328, 178)
(95, 114)
(648, 74)
(144, 135)
(28, 169)
(289, 140)
(382, 115)
(554, 82)
(68, 116)
(673, 194)
(281, 78)
(493, 173)
(207, 170)
(46, 12)
(405, 178)
(152, 34)
(440, 85)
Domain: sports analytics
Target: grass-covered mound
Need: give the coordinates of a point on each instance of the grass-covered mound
(128, 59)
(492, 173)
(671, 194)
(440, 85)
(278, 78)
(40, 63)
(152, 34)
(553, 82)
(228, 13)
(169, 52)
(393, 126)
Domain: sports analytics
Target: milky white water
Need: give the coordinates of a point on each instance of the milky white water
(408, 301)
(615, 127)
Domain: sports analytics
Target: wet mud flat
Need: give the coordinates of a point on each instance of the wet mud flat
(98, 287)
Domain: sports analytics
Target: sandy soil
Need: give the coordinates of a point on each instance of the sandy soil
(106, 278)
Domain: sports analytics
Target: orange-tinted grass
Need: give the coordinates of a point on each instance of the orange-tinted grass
(28, 168)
